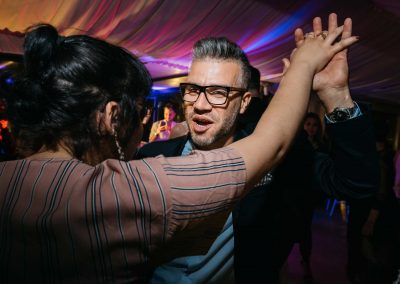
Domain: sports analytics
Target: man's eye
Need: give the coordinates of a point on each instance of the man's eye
(193, 90)
(218, 92)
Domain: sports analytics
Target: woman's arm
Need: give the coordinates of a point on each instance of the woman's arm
(280, 122)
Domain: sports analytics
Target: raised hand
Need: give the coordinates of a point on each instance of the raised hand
(318, 49)
(331, 83)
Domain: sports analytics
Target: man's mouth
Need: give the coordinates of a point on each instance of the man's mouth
(201, 124)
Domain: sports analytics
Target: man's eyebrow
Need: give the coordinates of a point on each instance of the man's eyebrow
(211, 84)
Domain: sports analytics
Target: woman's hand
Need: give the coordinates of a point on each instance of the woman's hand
(319, 50)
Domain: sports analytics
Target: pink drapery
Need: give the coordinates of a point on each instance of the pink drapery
(163, 32)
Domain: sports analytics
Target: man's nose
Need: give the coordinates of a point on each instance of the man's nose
(202, 102)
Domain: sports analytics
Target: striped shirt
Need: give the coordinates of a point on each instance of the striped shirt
(66, 221)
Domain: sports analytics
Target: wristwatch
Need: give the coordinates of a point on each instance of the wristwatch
(341, 114)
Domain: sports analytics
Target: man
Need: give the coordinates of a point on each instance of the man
(261, 242)
(161, 129)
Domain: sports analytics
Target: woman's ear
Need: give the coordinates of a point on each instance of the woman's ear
(110, 116)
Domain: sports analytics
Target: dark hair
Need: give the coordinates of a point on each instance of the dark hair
(221, 48)
(170, 105)
(68, 79)
(319, 135)
(254, 82)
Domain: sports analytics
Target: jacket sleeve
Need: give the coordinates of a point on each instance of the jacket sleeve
(351, 171)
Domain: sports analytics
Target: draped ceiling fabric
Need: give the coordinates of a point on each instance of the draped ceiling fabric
(162, 32)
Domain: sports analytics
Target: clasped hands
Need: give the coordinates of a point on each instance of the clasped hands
(331, 82)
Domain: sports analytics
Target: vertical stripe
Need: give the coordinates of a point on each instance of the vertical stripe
(148, 207)
(6, 216)
(142, 214)
(59, 192)
(28, 207)
(107, 256)
(160, 190)
(139, 233)
(70, 234)
(88, 226)
(121, 231)
(99, 249)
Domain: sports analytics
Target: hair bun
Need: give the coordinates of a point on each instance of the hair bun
(40, 45)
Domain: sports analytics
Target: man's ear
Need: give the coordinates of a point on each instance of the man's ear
(245, 102)
(110, 116)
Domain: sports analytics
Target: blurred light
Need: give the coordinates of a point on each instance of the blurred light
(3, 123)
(7, 63)
(160, 91)
(10, 81)
(159, 88)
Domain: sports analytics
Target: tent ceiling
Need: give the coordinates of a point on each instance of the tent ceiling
(162, 32)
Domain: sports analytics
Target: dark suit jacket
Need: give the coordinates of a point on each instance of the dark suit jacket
(268, 220)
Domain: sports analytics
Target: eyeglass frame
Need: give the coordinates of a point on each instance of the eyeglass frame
(202, 89)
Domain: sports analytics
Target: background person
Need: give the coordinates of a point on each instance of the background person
(314, 129)
(161, 129)
(146, 115)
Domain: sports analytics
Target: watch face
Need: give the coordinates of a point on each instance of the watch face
(340, 115)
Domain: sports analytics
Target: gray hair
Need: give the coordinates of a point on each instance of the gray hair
(221, 48)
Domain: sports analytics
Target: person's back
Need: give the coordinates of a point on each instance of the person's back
(77, 222)
(59, 221)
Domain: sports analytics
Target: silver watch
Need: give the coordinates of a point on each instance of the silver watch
(341, 114)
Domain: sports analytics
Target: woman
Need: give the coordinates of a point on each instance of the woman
(72, 210)
(313, 127)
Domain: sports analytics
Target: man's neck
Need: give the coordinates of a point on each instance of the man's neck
(216, 145)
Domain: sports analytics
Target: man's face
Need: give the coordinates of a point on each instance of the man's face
(169, 114)
(212, 126)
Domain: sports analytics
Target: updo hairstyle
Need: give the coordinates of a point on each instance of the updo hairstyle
(66, 81)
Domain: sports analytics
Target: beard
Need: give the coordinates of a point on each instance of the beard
(218, 135)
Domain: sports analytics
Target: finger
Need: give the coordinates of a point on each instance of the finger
(317, 25)
(333, 35)
(344, 43)
(347, 28)
(286, 64)
(309, 35)
(298, 37)
(291, 54)
(332, 22)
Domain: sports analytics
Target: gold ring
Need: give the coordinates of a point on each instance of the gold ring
(309, 35)
(323, 34)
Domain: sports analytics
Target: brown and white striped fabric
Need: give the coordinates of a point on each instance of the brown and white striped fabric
(66, 221)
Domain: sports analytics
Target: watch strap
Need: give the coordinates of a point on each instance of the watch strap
(353, 113)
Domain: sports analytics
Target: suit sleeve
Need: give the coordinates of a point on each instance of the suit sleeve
(351, 171)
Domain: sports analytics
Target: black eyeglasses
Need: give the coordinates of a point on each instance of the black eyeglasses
(215, 95)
